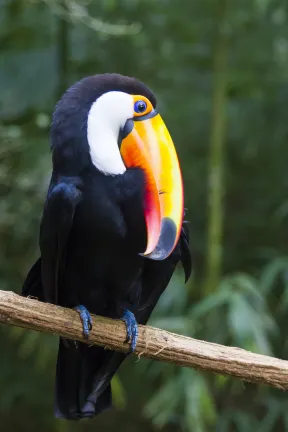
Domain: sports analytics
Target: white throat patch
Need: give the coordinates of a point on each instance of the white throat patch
(106, 116)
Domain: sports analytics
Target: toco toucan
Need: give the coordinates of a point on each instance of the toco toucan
(112, 227)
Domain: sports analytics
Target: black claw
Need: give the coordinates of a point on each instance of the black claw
(85, 318)
(132, 328)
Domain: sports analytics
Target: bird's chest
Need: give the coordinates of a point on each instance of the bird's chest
(97, 216)
(102, 243)
(105, 221)
(105, 271)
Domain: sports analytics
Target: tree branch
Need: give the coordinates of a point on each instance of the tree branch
(152, 343)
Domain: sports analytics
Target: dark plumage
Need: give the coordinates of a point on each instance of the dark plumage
(92, 231)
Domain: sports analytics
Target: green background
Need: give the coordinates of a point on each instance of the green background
(219, 69)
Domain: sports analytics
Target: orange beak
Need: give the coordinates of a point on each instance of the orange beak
(149, 146)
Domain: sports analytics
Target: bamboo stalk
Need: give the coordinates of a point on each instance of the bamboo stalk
(216, 153)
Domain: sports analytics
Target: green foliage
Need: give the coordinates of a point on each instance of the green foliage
(46, 45)
(119, 394)
(235, 314)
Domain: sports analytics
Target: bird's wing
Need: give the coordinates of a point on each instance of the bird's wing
(57, 221)
(157, 275)
(32, 286)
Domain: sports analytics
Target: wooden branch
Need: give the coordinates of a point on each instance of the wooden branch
(152, 343)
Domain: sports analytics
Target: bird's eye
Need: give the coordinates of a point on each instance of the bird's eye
(140, 107)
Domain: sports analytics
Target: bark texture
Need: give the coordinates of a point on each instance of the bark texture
(152, 343)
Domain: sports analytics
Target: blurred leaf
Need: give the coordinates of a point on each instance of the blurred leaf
(219, 298)
(119, 394)
(162, 405)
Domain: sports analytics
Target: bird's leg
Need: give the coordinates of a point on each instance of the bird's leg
(85, 319)
(132, 328)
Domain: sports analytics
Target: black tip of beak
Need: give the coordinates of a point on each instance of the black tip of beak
(166, 241)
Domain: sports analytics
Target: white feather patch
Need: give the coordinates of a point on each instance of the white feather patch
(106, 116)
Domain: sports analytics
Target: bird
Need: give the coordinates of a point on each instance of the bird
(112, 229)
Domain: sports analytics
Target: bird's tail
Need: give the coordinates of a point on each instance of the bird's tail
(83, 378)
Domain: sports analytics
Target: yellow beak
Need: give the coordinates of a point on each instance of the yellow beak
(150, 147)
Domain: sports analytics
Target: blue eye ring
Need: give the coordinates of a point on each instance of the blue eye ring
(140, 107)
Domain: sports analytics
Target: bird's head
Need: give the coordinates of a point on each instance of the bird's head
(111, 121)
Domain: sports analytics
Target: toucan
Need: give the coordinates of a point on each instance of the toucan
(112, 228)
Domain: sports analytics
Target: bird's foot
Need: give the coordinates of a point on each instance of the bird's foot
(132, 328)
(85, 319)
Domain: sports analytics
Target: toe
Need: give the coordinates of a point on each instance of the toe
(131, 328)
(85, 319)
(134, 338)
